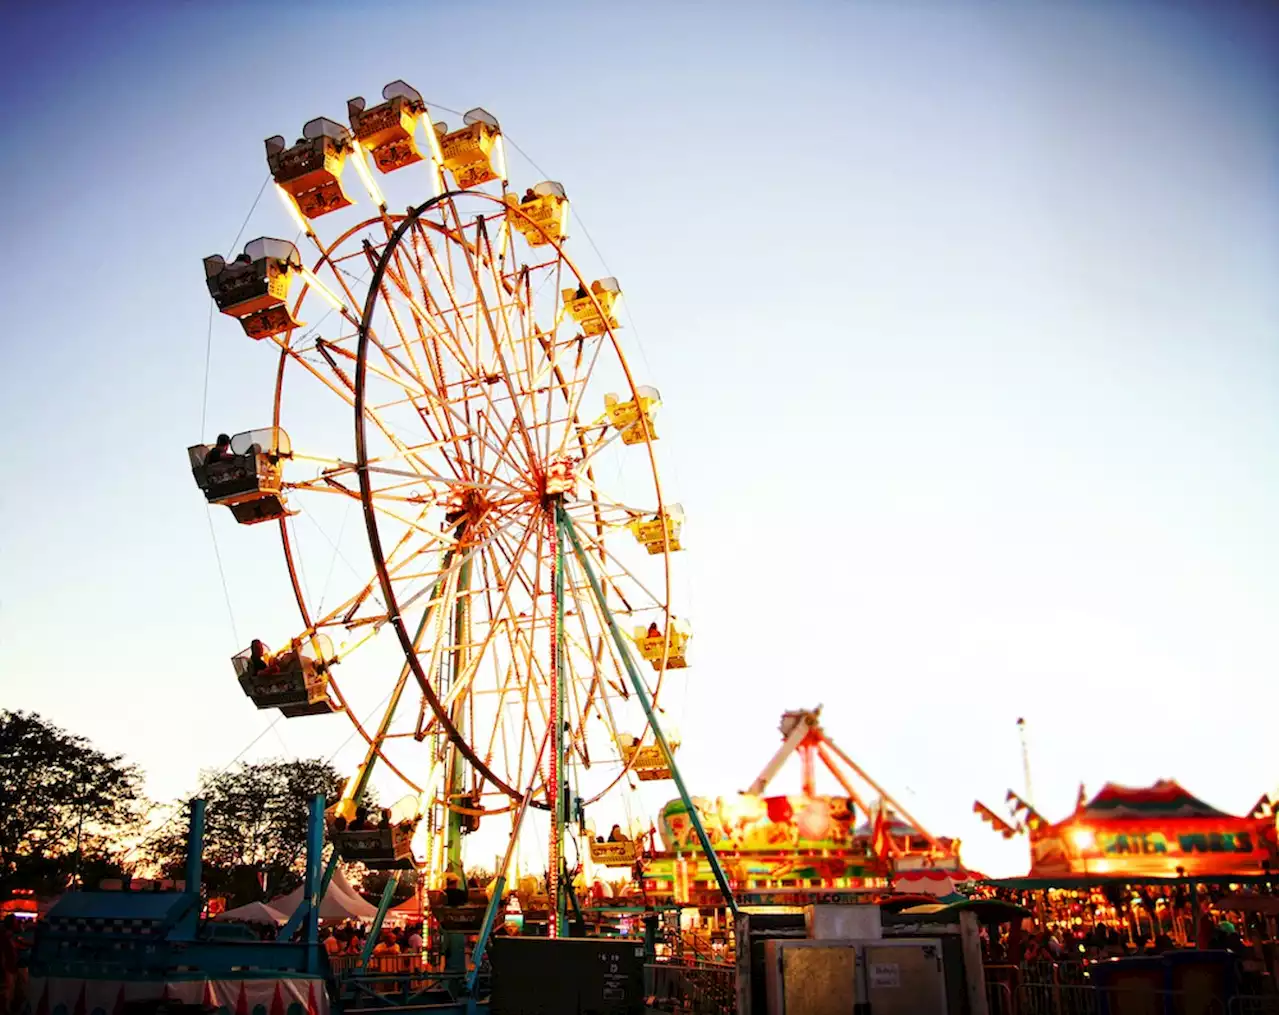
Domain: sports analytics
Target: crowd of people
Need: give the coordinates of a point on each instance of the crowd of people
(350, 938)
(1072, 928)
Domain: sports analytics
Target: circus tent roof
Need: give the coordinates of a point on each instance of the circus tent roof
(1164, 799)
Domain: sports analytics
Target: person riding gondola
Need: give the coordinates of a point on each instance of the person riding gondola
(454, 893)
(220, 452)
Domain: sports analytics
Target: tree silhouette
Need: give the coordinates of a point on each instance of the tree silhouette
(255, 827)
(66, 808)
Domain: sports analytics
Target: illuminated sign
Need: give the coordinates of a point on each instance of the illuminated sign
(1131, 843)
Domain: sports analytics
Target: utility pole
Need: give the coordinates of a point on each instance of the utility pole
(1026, 762)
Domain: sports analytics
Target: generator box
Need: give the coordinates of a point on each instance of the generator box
(810, 977)
(568, 976)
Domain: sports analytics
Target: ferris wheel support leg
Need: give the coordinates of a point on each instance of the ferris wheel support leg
(560, 885)
(375, 928)
(624, 650)
(456, 778)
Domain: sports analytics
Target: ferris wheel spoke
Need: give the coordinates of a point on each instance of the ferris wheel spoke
(607, 437)
(430, 354)
(608, 555)
(502, 680)
(604, 699)
(598, 678)
(344, 614)
(346, 396)
(504, 372)
(449, 284)
(501, 284)
(577, 398)
(449, 484)
(511, 622)
(405, 342)
(441, 332)
(469, 551)
(602, 503)
(463, 681)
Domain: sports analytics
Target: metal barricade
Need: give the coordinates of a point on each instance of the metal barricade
(1087, 999)
(703, 988)
(1254, 1004)
(1001, 998)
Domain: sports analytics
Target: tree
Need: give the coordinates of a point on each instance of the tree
(64, 804)
(255, 823)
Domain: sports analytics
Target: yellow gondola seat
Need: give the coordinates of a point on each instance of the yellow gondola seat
(582, 307)
(468, 152)
(649, 765)
(294, 680)
(377, 840)
(660, 531)
(246, 477)
(254, 288)
(387, 130)
(561, 478)
(311, 170)
(653, 645)
(625, 416)
(615, 854)
(547, 207)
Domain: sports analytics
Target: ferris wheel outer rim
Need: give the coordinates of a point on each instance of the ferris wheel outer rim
(300, 599)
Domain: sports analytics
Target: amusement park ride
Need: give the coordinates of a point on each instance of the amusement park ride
(452, 374)
(518, 541)
(796, 848)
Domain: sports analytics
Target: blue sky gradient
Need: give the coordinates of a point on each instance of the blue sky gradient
(964, 317)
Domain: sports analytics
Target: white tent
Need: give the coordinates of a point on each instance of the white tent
(340, 902)
(254, 912)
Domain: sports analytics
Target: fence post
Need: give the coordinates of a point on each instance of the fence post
(971, 948)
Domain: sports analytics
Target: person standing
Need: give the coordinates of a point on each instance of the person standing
(8, 963)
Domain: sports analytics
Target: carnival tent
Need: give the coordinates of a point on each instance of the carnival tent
(254, 912)
(411, 907)
(1153, 830)
(340, 902)
(933, 881)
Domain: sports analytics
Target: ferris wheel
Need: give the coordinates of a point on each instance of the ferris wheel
(506, 637)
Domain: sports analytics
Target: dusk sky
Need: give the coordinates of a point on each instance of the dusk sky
(964, 317)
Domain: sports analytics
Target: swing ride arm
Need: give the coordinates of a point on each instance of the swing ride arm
(794, 739)
(566, 525)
